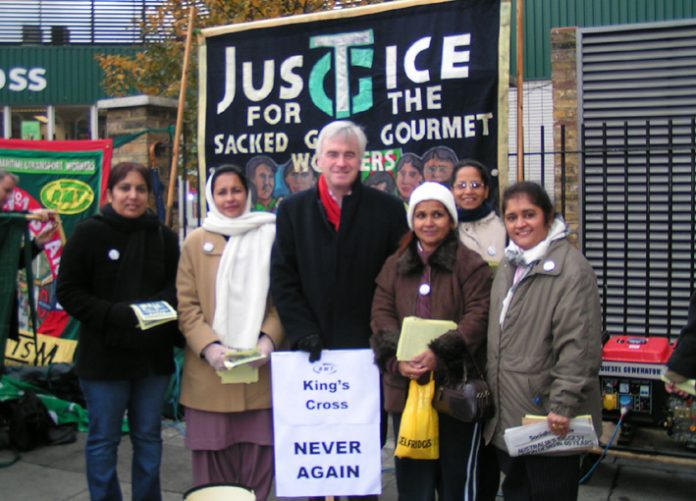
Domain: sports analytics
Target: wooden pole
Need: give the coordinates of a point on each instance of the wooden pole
(520, 89)
(647, 456)
(56, 219)
(179, 118)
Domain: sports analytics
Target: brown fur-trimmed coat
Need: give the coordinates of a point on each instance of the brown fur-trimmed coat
(460, 287)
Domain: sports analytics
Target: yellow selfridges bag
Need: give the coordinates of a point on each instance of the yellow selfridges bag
(419, 436)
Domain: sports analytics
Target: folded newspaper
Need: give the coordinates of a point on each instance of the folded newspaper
(536, 438)
(153, 313)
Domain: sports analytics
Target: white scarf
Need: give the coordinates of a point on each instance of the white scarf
(528, 258)
(241, 285)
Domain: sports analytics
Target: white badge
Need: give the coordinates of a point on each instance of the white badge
(549, 265)
(424, 289)
(114, 255)
(491, 250)
(208, 246)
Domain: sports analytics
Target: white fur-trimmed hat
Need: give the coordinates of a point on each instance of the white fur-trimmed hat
(431, 191)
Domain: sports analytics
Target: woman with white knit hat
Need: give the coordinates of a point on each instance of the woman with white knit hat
(433, 276)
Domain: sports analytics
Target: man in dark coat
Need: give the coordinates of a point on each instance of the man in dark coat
(331, 243)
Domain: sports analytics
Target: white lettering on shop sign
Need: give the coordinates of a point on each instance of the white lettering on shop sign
(20, 79)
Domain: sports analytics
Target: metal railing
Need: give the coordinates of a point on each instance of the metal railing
(61, 22)
(637, 216)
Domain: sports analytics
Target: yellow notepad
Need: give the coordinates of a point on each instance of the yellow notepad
(416, 334)
(240, 374)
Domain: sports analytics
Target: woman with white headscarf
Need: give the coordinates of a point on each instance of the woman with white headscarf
(224, 305)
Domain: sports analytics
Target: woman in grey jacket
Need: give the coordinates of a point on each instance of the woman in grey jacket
(544, 342)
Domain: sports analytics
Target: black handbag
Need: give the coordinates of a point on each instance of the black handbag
(467, 400)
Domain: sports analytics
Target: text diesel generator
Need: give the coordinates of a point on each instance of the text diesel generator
(631, 382)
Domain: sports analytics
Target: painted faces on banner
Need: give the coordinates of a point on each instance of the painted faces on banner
(418, 79)
(438, 164)
(409, 175)
(261, 171)
(382, 181)
(298, 180)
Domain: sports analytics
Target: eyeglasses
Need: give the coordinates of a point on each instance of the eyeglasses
(474, 185)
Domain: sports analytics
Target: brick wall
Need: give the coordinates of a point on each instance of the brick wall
(120, 121)
(565, 112)
(132, 115)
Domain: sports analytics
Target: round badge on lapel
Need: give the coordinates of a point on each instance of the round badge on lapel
(114, 255)
(549, 266)
(491, 250)
(424, 289)
(208, 246)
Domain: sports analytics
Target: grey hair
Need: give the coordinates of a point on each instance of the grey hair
(4, 174)
(343, 129)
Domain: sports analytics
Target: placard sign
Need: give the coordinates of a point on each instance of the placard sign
(326, 424)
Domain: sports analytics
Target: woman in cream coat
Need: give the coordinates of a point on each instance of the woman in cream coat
(222, 286)
(479, 228)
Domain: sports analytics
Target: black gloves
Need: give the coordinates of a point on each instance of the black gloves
(121, 315)
(311, 344)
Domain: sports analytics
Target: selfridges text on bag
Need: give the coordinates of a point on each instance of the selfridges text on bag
(419, 432)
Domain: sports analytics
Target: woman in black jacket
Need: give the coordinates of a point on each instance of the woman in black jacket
(119, 257)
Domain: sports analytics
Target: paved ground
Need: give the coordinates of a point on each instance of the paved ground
(57, 473)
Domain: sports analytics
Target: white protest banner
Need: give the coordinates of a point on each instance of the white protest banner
(326, 424)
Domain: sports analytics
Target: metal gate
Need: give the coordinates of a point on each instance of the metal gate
(639, 222)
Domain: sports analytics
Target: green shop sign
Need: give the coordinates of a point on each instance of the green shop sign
(48, 75)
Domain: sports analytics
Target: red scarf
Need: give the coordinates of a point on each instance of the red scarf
(333, 210)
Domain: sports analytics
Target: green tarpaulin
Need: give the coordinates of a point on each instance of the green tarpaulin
(62, 411)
